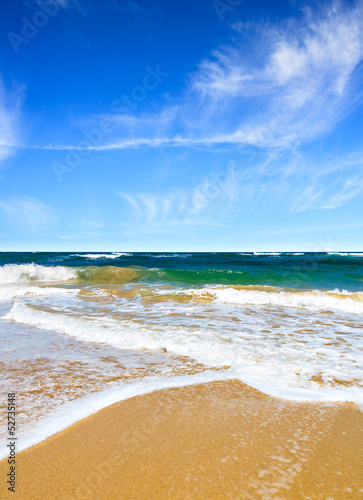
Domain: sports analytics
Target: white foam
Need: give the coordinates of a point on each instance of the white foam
(346, 254)
(10, 292)
(281, 363)
(267, 253)
(171, 256)
(23, 273)
(113, 255)
(81, 408)
(312, 300)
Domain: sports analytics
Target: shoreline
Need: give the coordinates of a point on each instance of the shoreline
(72, 412)
(75, 411)
(218, 439)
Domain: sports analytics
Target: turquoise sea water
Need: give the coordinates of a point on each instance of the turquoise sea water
(322, 271)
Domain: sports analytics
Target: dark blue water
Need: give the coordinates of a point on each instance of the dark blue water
(310, 270)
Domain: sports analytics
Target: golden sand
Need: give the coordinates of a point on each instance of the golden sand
(220, 440)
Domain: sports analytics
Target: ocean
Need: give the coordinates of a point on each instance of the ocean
(79, 331)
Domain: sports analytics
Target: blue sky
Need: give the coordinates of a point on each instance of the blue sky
(168, 126)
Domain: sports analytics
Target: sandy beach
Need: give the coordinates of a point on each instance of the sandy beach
(221, 440)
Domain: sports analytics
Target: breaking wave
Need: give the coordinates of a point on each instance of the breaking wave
(314, 300)
(25, 273)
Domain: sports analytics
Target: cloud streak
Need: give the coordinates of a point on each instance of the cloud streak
(277, 86)
(301, 74)
(238, 190)
(205, 204)
(291, 86)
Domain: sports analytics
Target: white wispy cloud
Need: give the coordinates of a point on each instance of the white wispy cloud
(269, 186)
(343, 190)
(325, 185)
(275, 86)
(207, 203)
(27, 213)
(134, 143)
(301, 74)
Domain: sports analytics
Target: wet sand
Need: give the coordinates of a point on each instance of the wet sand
(221, 440)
